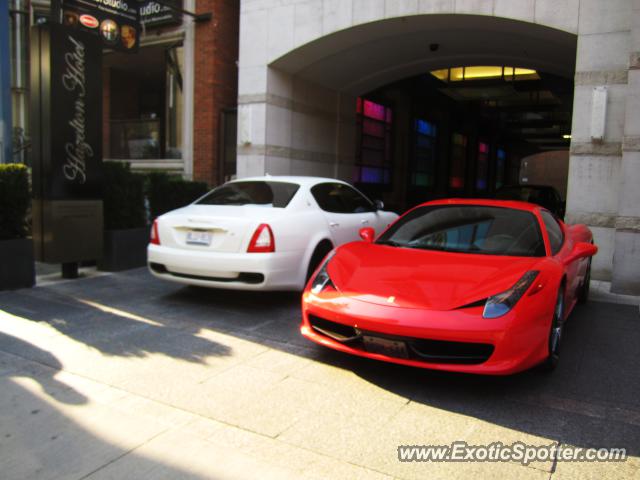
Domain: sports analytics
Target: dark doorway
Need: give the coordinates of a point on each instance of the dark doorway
(460, 131)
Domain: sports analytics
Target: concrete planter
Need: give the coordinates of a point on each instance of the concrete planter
(17, 267)
(124, 249)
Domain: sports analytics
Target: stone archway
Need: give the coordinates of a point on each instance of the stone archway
(302, 63)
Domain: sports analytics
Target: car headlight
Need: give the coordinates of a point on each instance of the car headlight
(502, 303)
(322, 281)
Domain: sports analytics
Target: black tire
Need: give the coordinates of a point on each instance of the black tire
(555, 334)
(583, 293)
(318, 255)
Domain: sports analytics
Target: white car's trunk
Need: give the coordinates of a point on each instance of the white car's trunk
(213, 227)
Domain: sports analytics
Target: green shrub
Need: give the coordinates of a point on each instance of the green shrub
(123, 194)
(166, 193)
(15, 200)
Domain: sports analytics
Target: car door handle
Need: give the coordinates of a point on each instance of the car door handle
(334, 224)
(364, 222)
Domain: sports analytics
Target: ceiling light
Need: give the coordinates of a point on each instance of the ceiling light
(478, 72)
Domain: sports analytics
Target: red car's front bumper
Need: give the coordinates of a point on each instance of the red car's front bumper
(519, 338)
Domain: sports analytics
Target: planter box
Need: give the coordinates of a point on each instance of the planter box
(124, 249)
(17, 267)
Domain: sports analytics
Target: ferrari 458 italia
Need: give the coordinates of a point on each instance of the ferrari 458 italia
(478, 286)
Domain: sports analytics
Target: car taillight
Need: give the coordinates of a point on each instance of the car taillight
(155, 238)
(262, 240)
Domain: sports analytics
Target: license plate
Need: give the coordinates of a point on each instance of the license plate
(384, 346)
(198, 238)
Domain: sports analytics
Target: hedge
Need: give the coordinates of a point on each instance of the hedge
(123, 195)
(15, 200)
(166, 193)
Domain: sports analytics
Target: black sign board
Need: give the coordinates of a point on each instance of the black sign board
(154, 14)
(71, 68)
(116, 22)
(66, 114)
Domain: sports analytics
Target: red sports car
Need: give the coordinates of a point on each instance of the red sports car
(479, 286)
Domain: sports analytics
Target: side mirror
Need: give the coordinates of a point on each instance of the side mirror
(379, 204)
(367, 234)
(581, 250)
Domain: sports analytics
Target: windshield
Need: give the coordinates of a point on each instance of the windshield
(468, 229)
(261, 193)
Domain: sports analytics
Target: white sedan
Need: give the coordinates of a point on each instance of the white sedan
(264, 233)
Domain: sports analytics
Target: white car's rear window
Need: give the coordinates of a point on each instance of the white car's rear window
(255, 192)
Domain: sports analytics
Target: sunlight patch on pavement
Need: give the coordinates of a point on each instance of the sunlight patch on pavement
(23, 327)
(118, 312)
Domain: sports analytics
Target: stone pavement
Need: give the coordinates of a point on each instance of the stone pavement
(126, 377)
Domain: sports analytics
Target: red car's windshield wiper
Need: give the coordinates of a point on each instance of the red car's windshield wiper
(416, 246)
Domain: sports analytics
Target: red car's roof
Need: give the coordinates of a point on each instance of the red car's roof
(514, 204)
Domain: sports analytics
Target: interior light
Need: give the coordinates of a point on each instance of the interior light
(472, 73)
(480, 72)
(442, 74)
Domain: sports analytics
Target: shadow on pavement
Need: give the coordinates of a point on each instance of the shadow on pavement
(592, 400)
(39, 440)
(98, 322)
(44, 376)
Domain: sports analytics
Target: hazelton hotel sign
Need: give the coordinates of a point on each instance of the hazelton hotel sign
(66, 118)
(66, 115)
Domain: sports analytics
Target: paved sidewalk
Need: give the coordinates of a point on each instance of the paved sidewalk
(601, 292)
(123, 376)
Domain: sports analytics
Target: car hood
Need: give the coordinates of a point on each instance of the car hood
(412, 278)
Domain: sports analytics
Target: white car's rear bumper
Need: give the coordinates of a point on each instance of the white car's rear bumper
(242, 271)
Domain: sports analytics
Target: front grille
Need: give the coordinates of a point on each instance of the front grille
(420, 349)
(450, 352)
(337, 331)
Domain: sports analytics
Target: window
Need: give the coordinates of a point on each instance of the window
(501, 161)
(340, 198)
(482, 167)
(228, 146)
(373, 155)
(468, 229)
(146, 103)
(264, 194)
(458, 161)
(424, 164)
(19, 59)
(554, 231)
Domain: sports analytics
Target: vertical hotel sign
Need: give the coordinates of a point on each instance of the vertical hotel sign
(78, 149)
(76, 113)
(67, 142)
